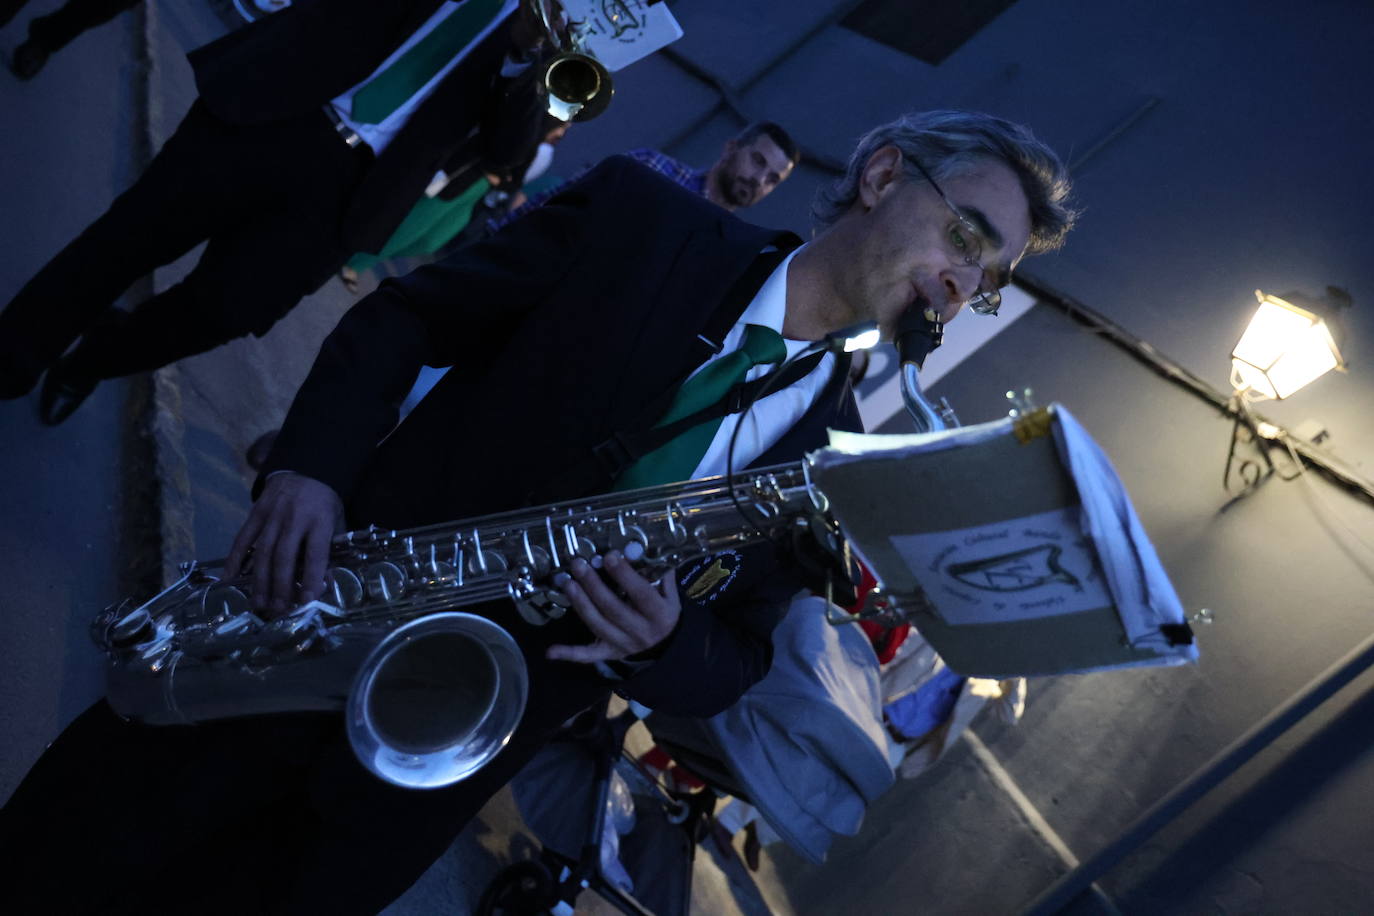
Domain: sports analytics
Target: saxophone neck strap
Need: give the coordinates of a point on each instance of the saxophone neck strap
(609, 458)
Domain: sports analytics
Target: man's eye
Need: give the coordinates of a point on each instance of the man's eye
(956, 237)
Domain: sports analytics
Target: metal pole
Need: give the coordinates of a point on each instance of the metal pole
(1232, 758)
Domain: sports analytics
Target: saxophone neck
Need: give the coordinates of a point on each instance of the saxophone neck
(918, 333)
(928, 417)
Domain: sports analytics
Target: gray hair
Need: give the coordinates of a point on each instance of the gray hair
(953, 143)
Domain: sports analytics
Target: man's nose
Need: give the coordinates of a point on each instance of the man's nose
(961, 284)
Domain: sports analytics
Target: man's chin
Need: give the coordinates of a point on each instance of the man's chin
(743, 198)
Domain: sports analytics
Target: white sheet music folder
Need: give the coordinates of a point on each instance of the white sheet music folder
(620, 32)
(1021, 538)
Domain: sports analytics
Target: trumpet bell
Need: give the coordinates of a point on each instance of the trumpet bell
(436, 700)
(579, 87)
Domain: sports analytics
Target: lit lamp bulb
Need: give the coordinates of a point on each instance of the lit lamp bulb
(1283, 349)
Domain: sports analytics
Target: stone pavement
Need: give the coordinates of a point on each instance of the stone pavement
(69, 147)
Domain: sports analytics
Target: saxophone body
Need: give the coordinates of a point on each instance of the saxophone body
(430, 692)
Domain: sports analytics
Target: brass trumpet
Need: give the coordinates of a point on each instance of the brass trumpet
(578, 86)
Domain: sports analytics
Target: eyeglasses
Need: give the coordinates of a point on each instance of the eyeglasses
(966, 243)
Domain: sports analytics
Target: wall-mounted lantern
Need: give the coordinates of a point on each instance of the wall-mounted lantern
(1284, 348)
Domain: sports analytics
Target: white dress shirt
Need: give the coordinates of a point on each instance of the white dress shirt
(766, 422)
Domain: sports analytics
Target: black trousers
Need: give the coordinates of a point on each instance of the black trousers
(258, 815)
(269, 200)
(59, 27)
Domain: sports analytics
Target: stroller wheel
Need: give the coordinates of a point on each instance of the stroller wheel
(677, 811)
(523, 889)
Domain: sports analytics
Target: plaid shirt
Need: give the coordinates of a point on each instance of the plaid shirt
(692, 179)
(675, 170)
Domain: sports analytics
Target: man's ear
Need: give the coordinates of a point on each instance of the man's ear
(881, 174)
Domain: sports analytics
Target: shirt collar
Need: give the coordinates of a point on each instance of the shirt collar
(769, 307)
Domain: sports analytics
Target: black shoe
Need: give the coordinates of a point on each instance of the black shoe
(62, 394)
(27, 60)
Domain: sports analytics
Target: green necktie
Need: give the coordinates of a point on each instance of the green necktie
(398, 82)
(676, 460)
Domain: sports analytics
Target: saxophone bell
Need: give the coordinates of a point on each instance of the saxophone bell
(436, 700)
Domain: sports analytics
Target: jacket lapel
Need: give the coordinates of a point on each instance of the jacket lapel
(694, 288)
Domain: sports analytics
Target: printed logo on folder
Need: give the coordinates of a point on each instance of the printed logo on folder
(1021, 569)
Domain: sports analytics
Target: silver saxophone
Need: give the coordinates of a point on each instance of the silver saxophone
(430, 693)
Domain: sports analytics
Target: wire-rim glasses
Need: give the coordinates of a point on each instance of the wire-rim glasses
(967, 243)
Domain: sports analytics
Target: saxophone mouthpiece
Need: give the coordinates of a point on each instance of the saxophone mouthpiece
(918, 333)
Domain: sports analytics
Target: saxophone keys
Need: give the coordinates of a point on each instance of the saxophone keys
(538, 562)
(343, 586)
(439, 573)
(767, 511)
(223, 602)
(677, 532)
(240, 625)
(487, 562)
(536, 559)
(384, 580)
(631, 541)
(575, 545)
(292, 634)
(113, 630)
(537, 605)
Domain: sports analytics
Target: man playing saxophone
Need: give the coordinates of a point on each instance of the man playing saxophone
(613, 307)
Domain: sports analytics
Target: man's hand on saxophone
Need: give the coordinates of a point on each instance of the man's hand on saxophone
(288, 531)
(639, 621)
(291, 525)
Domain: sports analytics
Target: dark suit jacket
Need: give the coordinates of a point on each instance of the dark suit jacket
(561, 329)
(293, 62)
